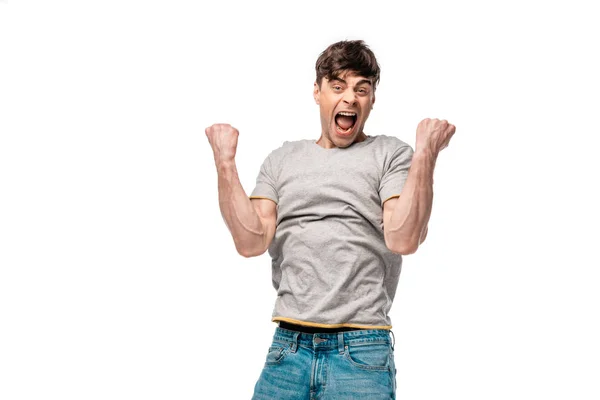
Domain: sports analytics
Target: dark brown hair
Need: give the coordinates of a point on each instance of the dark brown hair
(347, 55)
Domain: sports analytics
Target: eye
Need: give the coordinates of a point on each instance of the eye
(337, 87)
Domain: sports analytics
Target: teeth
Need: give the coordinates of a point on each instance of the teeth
(347, 114)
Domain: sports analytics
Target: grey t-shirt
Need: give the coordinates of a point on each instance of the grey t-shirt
(330, 265)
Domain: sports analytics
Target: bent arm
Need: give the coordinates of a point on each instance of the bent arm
(251, 222)
(406, 224)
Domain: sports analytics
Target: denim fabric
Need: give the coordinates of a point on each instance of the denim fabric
(334, 366)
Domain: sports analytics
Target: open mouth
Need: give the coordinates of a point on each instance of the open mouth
(345, 121)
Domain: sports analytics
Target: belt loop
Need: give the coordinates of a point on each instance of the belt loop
(294, 344)
(341, 342)
(394, 337)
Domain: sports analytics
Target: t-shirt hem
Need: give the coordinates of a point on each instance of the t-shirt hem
(262, 197)
(392, 196)
(320, 325)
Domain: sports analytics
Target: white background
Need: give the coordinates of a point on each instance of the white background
(119, 279)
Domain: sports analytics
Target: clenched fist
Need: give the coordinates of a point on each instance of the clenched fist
(223, 139)
(434, 135)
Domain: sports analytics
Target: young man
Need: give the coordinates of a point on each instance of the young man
(336, 215)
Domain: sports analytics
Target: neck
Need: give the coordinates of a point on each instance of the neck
(323, 141)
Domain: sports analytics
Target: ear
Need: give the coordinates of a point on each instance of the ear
(373, 101)
(316, 93)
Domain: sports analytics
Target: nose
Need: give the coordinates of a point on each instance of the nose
(349, 97)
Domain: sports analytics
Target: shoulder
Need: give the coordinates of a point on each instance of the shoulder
(392, 143)
(286, 148)
(278, 155)
(387, 148)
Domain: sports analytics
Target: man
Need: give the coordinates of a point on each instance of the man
(336, 215)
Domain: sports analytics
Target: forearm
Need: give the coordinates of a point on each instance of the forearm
(409, 218)
(238, 212)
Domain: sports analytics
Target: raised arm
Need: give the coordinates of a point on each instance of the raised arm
(406, 218)
(251, 222)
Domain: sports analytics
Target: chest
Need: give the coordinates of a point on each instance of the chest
(328, 185)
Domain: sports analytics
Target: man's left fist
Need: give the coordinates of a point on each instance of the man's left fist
(433, 135)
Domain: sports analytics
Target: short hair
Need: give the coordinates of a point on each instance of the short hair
(347, 55)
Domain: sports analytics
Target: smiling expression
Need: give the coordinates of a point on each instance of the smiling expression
(345, 102)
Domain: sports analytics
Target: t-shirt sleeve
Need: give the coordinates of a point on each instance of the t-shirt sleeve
(266, 184)
(395, 173)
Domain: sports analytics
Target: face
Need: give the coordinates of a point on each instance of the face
(345, 103)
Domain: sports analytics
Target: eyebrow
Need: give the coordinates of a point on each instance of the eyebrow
(357, 83)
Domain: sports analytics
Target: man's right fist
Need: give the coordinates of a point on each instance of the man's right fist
(223, 139)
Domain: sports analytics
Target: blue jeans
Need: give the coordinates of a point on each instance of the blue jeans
(355, 364)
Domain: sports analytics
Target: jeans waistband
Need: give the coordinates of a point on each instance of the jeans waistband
(337, 340)
(312, 329)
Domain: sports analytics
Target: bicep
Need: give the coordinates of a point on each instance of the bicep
(267, 212)
(388, 208)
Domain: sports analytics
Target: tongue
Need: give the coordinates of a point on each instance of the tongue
(344, 122)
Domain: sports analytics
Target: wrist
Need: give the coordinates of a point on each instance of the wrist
(225, 165)
(426, 154)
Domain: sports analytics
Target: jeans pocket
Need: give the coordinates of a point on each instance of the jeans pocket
(277, 352)
(371, 356)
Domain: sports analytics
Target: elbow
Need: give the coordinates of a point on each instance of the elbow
(402, 247)
(249, 252)
(405, 251)
(250, 248)
(409, 250)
